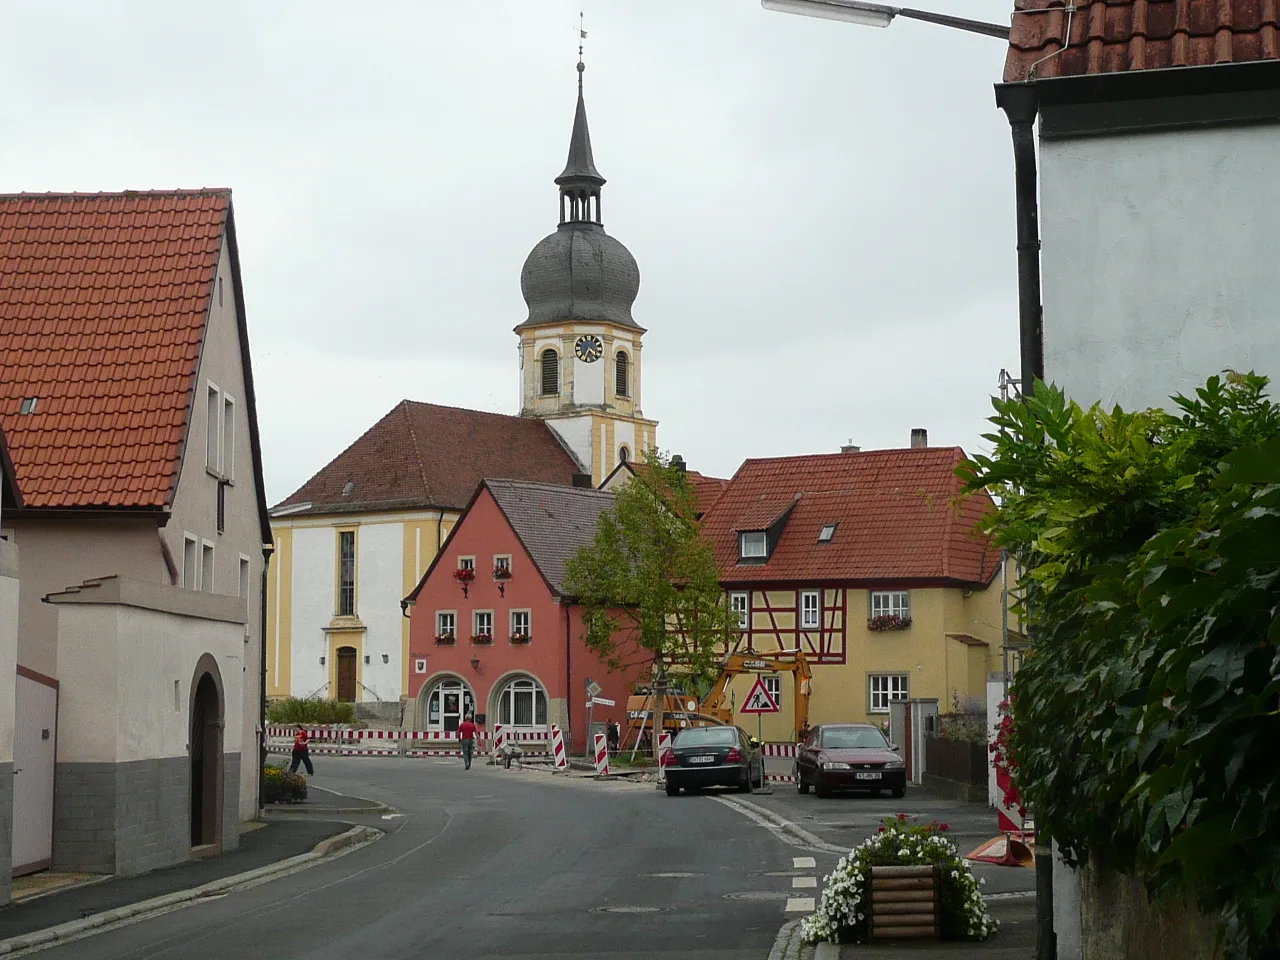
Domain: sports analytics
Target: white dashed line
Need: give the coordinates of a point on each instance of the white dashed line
(799, 904)
(801, 862)
(799, 882)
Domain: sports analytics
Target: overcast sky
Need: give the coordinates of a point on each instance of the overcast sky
(822, 213)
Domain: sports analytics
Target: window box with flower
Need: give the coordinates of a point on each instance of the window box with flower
(888, 621)
(445, 638)
(464, 574)
(520, 638)
(482, 638)
(501, 571)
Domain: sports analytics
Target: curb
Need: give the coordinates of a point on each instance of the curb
(79, 928)
(291, 810)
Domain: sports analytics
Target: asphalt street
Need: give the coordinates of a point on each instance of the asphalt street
(491, 863)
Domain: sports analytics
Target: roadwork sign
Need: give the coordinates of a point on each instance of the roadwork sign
(759, 700)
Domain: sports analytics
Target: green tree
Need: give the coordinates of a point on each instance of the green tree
(1150, 543)
(648, 582)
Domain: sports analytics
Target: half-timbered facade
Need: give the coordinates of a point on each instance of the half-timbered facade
(868, 563)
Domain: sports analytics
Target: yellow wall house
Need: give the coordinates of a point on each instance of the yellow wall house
(357, 536)
(866, 562)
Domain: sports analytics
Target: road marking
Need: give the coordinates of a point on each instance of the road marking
(799, 882)
(801, 862)
(799, 904)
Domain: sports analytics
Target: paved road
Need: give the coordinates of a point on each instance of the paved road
(490, 863)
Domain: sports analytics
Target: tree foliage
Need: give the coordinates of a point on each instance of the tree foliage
(648, 581)
(1150, 543)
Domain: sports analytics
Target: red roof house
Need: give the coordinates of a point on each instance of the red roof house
(870, 563)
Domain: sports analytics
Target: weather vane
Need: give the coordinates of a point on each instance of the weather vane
(582, 35)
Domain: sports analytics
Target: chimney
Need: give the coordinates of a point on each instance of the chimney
(919, 438)
(677, 461)
(851, 447)
(583, 481)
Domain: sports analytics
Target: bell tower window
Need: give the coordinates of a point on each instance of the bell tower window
(622, 374)
(550, 373)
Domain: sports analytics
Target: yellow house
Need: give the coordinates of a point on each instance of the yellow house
(356, 538)
(868, 562)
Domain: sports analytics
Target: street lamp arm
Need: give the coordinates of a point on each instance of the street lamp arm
(959, 23)
(879, 15)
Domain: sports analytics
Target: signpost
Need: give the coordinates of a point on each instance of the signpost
(760, 701)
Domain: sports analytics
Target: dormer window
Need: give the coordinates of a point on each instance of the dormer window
(828, 531)
(752, 545)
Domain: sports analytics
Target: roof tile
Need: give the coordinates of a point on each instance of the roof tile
(427, 455)
(553, 522)
(1114, 36)
(101, 318)
(900, 516)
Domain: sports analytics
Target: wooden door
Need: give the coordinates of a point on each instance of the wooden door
(347, 674)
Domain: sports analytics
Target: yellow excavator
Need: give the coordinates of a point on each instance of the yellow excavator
(680, 712)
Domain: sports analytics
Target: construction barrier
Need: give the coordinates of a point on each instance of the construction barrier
(778, 750)
(602, 755)
(664, 744)
(557, 748)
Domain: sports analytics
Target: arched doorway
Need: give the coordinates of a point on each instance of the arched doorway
(347, 674)
(521, 703)
(445, 703)
(205, 750)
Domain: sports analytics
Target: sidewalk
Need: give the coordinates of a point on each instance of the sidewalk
(322, 801)
(1016, 940)
(278, 840)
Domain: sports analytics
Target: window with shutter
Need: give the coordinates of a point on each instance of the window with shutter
(550, 372)
(622, 369)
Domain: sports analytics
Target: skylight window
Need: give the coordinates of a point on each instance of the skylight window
(348, 488)
(827, 533)
(29, 404)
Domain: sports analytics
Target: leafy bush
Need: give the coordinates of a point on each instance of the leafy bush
(842, 914)
(283, 786)
(1151, 548)
(296, 710)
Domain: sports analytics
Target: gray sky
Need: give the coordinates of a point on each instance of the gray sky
(822, 213)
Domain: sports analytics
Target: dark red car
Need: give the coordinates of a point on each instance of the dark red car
(849, 756)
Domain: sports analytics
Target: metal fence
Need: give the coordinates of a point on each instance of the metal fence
(956, 760)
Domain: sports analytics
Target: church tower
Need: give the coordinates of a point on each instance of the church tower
(580, 358)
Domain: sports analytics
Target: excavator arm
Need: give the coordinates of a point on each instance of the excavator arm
(737, 663)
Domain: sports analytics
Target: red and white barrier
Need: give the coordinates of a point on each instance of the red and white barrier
(602, 755)
(557, 748)
(778, 750)
(664, 744)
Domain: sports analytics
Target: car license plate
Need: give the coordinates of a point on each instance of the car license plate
(702, 759)
(868, 776)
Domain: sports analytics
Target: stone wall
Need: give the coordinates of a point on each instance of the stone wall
(1117, 919)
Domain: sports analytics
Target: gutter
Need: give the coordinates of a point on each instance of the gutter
(1020, 103)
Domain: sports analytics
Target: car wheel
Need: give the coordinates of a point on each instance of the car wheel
(760, 780)
(745, 785)
(820, 789)
(801, 786)
(672, 789)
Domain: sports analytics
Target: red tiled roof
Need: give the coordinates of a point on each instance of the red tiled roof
(427, 455)
(707, 490)
(103, 299)
(1113, 36)
(895, 510)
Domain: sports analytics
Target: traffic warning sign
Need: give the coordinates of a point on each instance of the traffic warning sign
(759, 700)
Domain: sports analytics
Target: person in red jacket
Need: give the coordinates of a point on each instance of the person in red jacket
(302, 752)
(467, 731)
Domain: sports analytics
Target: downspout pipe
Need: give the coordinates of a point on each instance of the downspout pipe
(1019, 102)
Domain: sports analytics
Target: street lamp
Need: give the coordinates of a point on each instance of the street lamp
(878, 15)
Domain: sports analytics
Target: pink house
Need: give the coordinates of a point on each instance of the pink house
(502, 639)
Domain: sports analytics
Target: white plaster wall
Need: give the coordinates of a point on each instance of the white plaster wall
(380, 569)
(1159, 261)
(8, 646)
(313, 593)
(588, 381)
(624, 434)
(575, 432)
(117, 700)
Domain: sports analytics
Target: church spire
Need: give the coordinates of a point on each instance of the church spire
(580, 182)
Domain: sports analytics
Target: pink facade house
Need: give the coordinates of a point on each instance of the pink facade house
(491, 628)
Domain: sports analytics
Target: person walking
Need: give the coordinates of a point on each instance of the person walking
(302, 752)
(467, 731)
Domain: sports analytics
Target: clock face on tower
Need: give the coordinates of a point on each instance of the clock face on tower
(589, 349)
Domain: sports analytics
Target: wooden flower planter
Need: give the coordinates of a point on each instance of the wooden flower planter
(905, 903)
